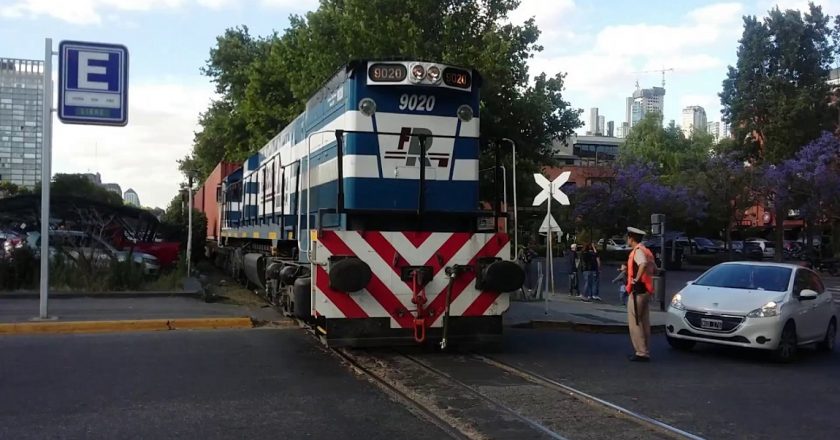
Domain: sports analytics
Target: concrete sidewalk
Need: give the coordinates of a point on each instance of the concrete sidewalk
(130, 314)
(564, 311)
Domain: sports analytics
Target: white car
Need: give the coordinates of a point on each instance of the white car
(614, 244)
(770, 306)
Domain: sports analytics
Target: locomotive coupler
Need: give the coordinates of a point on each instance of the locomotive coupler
(418, 298)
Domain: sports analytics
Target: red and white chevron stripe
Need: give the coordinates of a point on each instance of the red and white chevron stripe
(387, 295)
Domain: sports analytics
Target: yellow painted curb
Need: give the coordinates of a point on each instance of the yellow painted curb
(205, 323)
(136, 325)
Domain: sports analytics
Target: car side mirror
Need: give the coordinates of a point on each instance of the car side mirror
(807, 294)
(688, 283)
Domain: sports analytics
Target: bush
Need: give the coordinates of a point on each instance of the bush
(19, 271)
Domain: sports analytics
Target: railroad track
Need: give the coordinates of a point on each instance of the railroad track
(477, 397)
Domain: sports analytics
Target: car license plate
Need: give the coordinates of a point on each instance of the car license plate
(711, 324)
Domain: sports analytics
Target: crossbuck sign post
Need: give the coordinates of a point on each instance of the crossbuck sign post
(551, 190)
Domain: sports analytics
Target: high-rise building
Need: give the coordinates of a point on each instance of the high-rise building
(610, 129)
(646, 101)
(131, 198)
(113, 187)
(593, 121)
(713, 128)
(602, 127)
(693, 119)
(629, 115)
(623, 130)
(21, 120)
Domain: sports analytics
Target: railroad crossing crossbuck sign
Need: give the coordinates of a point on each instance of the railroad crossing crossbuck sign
(552, 188)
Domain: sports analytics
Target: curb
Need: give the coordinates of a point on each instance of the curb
(107, 295)
(136, 325)
(583, 328)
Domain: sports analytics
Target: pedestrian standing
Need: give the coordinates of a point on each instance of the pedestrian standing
(589, 265)
(574, 287)
(525, 257)
(621, 279)
(597, 282)
(640, 269)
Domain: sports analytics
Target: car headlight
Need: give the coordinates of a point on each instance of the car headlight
(765, 311)
(676, 302)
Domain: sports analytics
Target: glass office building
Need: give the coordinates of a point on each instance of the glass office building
(21, 120)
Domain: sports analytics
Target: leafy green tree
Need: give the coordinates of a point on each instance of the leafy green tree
(776, 96)
(9, 189)
(666, 148)
(265, 82)
(175, 225)
(77, 185)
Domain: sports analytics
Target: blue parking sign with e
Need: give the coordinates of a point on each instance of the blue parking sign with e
(93, 83)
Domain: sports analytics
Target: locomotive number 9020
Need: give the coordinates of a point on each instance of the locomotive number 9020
(387, 72)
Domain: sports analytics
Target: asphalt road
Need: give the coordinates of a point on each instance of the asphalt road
(714, 392)
(190, 385)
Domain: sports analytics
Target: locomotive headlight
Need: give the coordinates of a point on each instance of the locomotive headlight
(367, 106)
(418, 72)
(465, 113)
(433, 74)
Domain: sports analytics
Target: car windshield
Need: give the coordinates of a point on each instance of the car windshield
(618, 241)
(747, 277)
(704, 242)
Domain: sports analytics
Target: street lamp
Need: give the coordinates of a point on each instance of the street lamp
(191, 175)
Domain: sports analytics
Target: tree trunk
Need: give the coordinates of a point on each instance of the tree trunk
(780, 232)
(728, 240)
(835, 237)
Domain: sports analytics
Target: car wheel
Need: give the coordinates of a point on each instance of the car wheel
(827, 344)
(681, 344)
(788, 344)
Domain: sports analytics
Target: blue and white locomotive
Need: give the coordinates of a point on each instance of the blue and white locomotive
(362, 216)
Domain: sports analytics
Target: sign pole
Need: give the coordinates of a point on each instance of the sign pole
(46, 177)
(550, 270)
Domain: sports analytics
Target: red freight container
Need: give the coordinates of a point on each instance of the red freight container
(206, 199)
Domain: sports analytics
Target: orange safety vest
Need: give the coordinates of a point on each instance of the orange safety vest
(647, 277)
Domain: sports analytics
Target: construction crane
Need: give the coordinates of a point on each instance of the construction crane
(662, 71)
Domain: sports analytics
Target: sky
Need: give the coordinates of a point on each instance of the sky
(601, 45)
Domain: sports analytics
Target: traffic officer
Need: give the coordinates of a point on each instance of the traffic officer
(640, 269)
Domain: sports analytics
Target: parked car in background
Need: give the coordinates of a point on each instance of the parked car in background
(737, 246)
(9, 241)
(769, 306)
(703, 245)
(768, 249)
(79, 244)
(614, 244)
(752, 250)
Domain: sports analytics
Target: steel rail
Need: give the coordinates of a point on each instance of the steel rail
(403, 398)
(588, 398)
(530, 422)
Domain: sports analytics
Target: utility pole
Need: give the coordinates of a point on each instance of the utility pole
(189, 222)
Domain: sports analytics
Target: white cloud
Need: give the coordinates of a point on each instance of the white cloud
(141, 155)
(82, 12)
(89, 12)
(553, 18)
(603, 72)
(290, 5)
